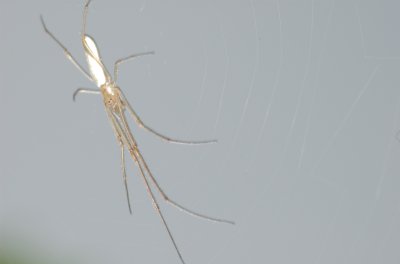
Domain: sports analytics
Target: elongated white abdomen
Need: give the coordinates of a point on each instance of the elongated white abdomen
(96, 66)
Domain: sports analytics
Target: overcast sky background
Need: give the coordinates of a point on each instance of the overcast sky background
(303, 97)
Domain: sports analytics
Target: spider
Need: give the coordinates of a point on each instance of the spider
(116, 104)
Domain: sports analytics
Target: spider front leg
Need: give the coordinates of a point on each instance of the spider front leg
(66, 52)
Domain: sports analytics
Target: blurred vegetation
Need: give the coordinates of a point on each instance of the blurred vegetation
(23, 255)
(7, 257)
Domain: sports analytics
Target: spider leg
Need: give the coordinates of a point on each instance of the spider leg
(141, 124)
(155, 204)
(66, 52)
(120, 134)
(175, 204)
(124, 177)
(84, 18)
(128, 58)
(84, 91)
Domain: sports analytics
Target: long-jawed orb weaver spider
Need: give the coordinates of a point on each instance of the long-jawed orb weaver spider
(116, 104)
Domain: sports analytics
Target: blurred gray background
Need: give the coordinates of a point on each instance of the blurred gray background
(303, 97)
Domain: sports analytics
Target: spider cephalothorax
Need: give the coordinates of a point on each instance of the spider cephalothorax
(112, 96)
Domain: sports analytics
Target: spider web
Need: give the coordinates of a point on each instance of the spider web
(301, 126)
